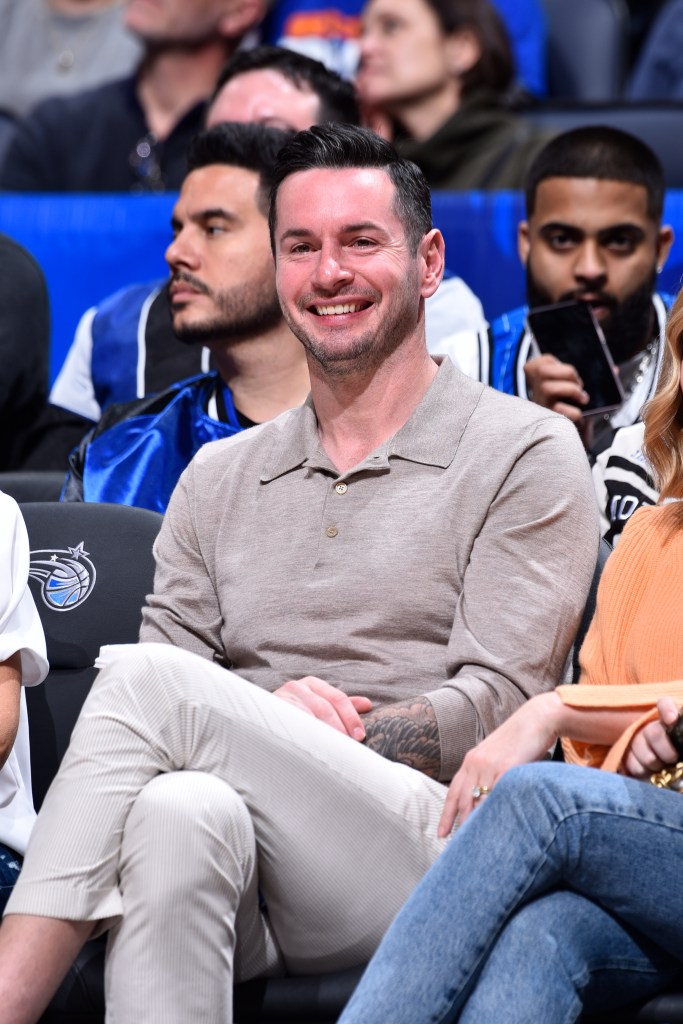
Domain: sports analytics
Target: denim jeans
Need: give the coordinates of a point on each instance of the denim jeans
(562, 892)
(10, 866)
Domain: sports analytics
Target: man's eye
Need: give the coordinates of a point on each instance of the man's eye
(215, 229)
(300, 247)
(561, 240)
(621, 244)
(362, 243)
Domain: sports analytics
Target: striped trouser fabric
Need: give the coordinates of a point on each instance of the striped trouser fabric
(188, 798)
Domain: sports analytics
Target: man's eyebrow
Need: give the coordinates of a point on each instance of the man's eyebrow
(559, 225)
(203, 215)
(346, 229)
(627, 227)
(215, 211)
(574, 229)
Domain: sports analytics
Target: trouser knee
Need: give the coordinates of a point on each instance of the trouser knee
(188, 831)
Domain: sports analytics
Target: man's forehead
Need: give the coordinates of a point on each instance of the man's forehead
(266, 96)
(218, 185)
(338, 193)
(589, 202)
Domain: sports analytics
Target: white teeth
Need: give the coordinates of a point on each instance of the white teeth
(349, 307)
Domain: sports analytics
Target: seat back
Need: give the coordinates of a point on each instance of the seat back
(656, 123)
(32, 485)
(91, 569)
(587, 48)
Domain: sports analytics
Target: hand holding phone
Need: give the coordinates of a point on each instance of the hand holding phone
(585, 380)
(555, 385)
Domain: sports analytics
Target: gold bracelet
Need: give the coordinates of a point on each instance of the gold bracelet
(669, 778)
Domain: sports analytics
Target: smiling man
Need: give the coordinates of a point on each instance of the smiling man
(593, 234)
(327, 637)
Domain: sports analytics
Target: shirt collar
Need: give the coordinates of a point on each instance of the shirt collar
(431, 436)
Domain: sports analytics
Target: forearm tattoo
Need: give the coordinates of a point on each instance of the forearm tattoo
(406, 732)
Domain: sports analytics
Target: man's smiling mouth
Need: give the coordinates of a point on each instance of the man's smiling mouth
(340, 308)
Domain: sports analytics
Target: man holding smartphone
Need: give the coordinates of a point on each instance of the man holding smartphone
(593, 234)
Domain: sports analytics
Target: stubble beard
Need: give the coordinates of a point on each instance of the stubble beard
(242, 313)
(367, 351)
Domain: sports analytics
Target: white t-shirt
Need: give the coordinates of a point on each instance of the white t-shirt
(20, 630)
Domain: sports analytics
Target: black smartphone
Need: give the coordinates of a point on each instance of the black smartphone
(675, 734)
(569, 331)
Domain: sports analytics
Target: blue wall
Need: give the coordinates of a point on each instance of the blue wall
(89, 246)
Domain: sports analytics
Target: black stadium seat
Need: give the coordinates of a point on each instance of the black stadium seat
(91, 568)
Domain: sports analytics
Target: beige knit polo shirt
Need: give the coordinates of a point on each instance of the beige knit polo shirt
(454, 561)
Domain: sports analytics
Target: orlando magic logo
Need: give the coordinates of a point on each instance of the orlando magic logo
(66, 575)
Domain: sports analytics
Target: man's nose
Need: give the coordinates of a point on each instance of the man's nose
(331, 269)
(589, 264)
(181, 252)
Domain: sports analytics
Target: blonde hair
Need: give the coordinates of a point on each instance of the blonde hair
(663, 416)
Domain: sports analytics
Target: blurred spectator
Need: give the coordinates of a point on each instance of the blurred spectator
(330, 32)
(280, 88)
(132, 134)
(58, 47)
(658, 74)
(22, 663)
(623, 481)
(221, 295)
(593, 234)
(433, 76)
(24, 349)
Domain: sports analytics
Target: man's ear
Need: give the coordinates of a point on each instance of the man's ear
(240, 16)
(433, 253)
(665, 239)
(523, 243)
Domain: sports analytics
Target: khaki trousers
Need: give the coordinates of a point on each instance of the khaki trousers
(185, 793)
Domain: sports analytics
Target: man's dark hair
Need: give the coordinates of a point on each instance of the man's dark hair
(337, 96)
(339, 146)
(495, 69)
(599, 151)
(250, 146)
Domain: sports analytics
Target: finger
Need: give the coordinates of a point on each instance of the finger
(649, 752)
(548, 367)
(318, 707)
(557, 373)
(461, 799)
(307, 693)
(448, 814)
(570, 411)
(563, 390)
(342, 705)
(668, 710)
(361, 704)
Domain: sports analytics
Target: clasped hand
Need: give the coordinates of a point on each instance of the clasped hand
(327, 703)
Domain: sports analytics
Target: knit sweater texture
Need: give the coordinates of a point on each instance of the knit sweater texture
(633, 651)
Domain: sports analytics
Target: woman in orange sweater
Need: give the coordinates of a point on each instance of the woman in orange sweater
(563, 893)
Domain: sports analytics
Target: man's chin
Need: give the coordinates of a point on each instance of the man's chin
(191, 335)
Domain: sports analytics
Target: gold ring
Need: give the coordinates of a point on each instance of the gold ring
(480, 791)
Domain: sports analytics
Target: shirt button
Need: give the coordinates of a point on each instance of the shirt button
(341, 488)
(331, 531)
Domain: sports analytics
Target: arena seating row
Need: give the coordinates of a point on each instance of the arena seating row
(88, 246)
